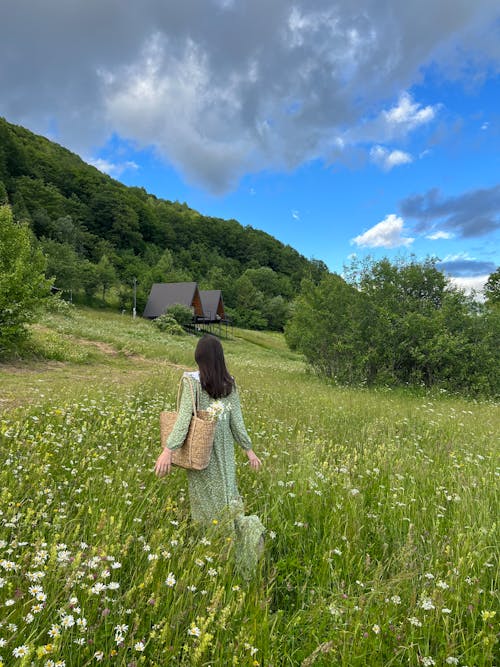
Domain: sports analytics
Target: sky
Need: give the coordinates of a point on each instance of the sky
(346, 128)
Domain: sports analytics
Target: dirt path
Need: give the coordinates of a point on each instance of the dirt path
(28, 383)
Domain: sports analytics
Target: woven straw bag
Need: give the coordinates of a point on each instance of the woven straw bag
(197, 447)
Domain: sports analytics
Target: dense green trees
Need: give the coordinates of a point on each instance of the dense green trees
(22, 283)
(98, 235)
(396, 323)
(492, 289)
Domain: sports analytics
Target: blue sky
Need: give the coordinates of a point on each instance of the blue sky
(333, 127)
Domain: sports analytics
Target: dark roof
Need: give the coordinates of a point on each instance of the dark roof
(163, 295)
(211, 300)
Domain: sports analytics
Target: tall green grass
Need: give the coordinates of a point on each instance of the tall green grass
(381, 511)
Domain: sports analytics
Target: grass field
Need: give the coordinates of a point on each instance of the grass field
(381, 509)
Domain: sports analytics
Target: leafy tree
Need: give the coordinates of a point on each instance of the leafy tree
(325, 327)
(23, 286)
(63, 264)
(492, 289)
(89, 277)
(106, 275)
(276, 311)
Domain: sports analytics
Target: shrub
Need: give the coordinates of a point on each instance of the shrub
(169, 325)
(183, 315)
(23, 286)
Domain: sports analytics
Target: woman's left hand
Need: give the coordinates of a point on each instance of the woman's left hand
(255, 462)
(163, 463)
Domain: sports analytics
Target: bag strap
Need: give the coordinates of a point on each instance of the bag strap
(192, 394)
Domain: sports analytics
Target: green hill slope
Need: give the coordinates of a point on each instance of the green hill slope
(99, 234)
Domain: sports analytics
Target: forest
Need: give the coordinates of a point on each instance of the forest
(98, 235)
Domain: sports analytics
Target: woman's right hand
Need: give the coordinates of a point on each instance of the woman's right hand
(255, 462)
(164, 463)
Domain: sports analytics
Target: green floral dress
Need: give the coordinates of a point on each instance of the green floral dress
(213, 492)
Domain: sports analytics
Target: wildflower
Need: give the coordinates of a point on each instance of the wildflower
(272, 534)
(236, 588)
(98, 655)
(445, 610)
(81, 623)
(98, 588)
(414, 621)
(67, 621)
(426, 603)
(354, 492)
(427, 661)
(395, 599)
(376, 629)
(212, 572)
(194, 631)
(170, 580)
(192, 589)
(450, 660)
(20, 651)
(486, 615)
(54, 631)
(120, 629)
(442, 584)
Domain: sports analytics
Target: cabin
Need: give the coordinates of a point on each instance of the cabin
(207, 305)
(213, 305)
(164, 295)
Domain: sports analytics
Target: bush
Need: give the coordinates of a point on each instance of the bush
(23, 286)
(57, 305)
(183, 315)
(397, 323)
(169, 325)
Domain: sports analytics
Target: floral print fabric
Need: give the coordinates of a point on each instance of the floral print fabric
(213, 492)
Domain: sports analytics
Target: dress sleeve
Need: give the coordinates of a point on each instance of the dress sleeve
(237, 424)
(181, 426)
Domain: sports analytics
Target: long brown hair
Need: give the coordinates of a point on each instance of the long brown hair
(214, 376)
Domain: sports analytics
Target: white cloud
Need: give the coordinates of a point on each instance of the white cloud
(470, 283)
(386, 234)
(112, 168)
(296, 215)
(408, 114)
(439, 235)
(388, 159)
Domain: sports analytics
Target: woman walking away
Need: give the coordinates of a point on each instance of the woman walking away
(213, 492)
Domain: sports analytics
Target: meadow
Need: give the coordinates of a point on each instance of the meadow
(381, 509)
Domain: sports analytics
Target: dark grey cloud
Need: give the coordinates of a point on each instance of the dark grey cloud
(463, 267)
(221, 87)
(471, 214)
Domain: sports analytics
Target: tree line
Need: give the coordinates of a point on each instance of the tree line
(98, 235)
(399, 323)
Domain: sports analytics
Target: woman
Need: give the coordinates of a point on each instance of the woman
(213, 492)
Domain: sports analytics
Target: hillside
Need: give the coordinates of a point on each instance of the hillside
(99, 235)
